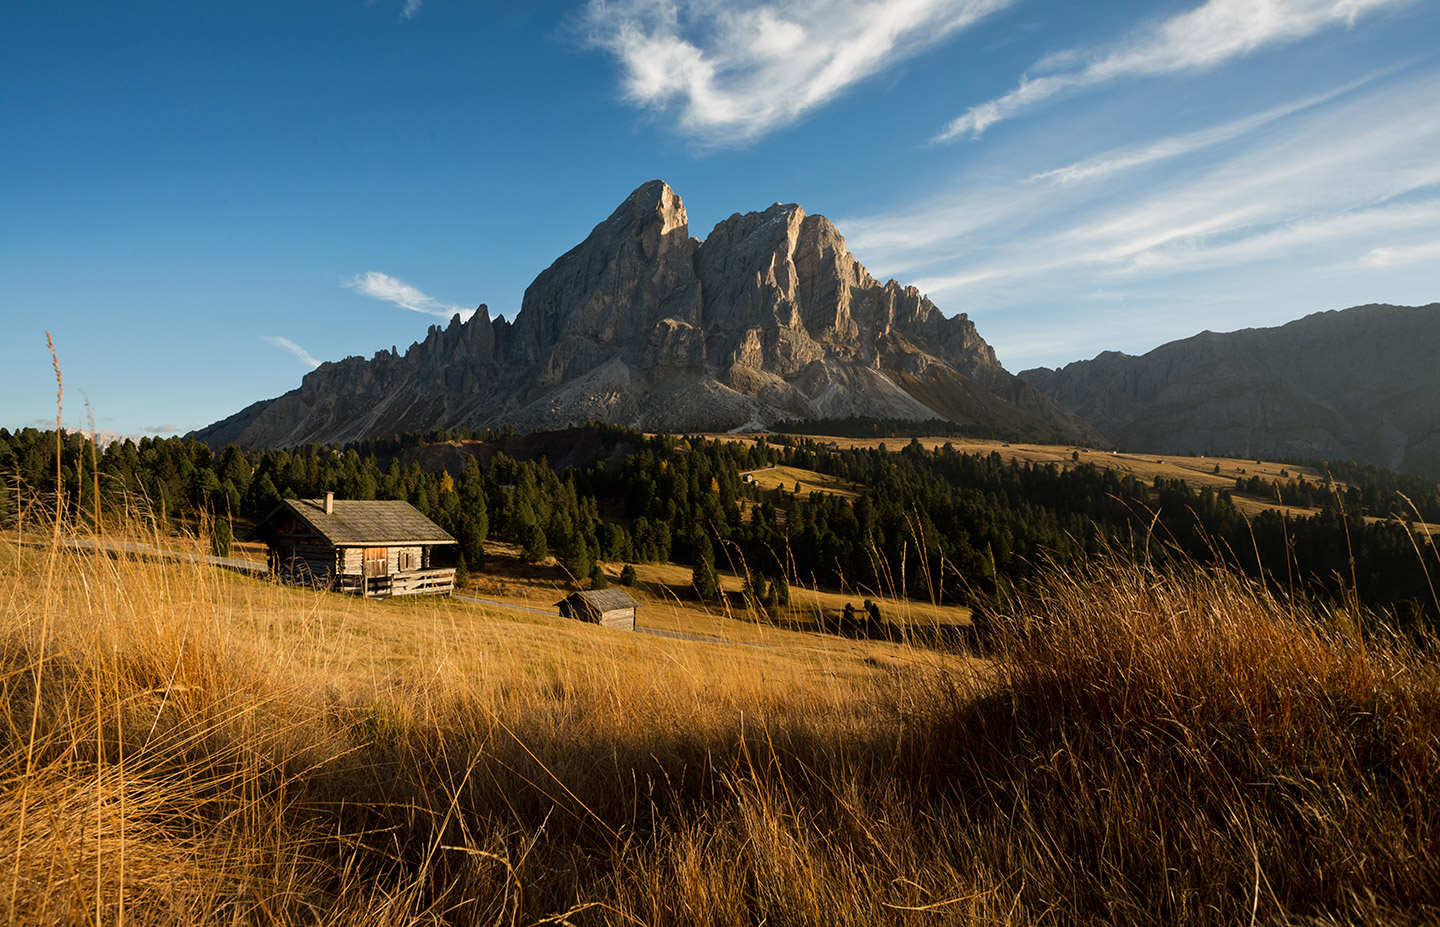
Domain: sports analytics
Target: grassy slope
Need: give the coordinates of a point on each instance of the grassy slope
(1199, 472)
(787, 478)
(207, 748)
(667, 601)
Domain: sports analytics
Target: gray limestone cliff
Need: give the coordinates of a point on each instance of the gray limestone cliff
(1358, 384)
(769, 319)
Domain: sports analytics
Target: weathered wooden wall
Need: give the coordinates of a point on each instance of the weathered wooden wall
(395, 560)
(306, 564)
(620, 618)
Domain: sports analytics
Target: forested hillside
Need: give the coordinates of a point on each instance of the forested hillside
(938, 525)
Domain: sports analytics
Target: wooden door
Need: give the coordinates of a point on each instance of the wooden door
(377, 562)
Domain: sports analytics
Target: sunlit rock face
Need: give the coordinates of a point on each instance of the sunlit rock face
(769, 319)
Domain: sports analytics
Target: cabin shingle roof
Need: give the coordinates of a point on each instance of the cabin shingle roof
(603, 600)
(364, 521)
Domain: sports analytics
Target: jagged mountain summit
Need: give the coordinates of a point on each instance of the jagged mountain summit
(1353, 384)
(769, 319)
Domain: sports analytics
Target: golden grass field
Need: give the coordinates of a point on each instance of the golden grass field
(186, 745)
(667, 602)
(808, 481)
(368, 642)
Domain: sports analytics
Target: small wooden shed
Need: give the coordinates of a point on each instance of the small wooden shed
(361, 547)
(612, 608)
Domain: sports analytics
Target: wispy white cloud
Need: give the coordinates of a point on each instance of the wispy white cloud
(410, 9)
(1141, 244)
(1205, 37)
(1322, 202)
(736, 70)
(1178, 145)
(394, 290)
(1319, 235)
(287, 345)
(1350, 175)
(1343, 172)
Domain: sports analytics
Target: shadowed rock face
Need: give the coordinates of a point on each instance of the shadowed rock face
(769, 319)
(1355, 384)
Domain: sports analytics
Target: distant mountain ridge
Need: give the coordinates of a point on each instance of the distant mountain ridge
(769, 319)
(1359, 384)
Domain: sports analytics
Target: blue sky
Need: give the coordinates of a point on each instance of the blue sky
(202, 201)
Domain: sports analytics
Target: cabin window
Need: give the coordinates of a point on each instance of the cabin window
(408, 560)
(376, 561)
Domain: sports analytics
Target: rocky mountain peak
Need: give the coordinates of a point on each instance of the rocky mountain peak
(652, 211)
(770, 318)
(610, 290)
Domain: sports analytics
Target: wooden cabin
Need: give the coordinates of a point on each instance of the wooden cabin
(612, 608)
(361, 547)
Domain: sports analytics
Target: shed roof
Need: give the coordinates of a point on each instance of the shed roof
(603, 599)
(361, 521)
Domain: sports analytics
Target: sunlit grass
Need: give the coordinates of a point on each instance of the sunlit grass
(186, 745)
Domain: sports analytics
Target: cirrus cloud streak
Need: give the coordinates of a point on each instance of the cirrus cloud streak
(1315, 166)
(394, 290)
(1200, 39)
(1328, 200)
(285, 344)
(735, 71)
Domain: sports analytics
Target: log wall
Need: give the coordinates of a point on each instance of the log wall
(306, 565)
(397, 559)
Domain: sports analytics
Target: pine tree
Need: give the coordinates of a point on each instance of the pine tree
(705, 580)
(757, 592)
(584, 563)
(780, 591)
(627, 575)
(202, 487)
(233, 467)
(617, 544)
(220, 537)
(472, 498)
(532, 543)
(260, 497)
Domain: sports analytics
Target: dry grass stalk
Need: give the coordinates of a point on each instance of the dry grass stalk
(1154, 748)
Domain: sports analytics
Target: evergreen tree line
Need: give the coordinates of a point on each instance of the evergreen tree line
(931, 524)
(1370, 490)
(1002, 518)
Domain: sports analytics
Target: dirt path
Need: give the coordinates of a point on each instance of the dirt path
(251, 567)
